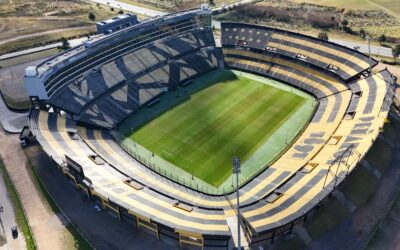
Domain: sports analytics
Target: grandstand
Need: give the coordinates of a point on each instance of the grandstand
(81, 95)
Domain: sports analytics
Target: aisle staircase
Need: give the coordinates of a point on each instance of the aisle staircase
(231, 220)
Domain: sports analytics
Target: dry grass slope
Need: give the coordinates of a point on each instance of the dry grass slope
(21, 18)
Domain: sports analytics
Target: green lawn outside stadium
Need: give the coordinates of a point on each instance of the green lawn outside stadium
(195, 131)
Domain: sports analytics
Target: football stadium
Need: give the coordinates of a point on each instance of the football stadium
(145, 121)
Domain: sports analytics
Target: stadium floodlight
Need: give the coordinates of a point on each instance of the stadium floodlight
(369, 51)
(368, 38)
(236, 170)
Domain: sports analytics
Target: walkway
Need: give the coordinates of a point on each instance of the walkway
(363, 47)
(47, 227)
(131, 7)
(7, 220)
(73, 43)
(41, 33)
(12, 122)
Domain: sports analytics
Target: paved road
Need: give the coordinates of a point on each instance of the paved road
(41, 33)
(12, 122)
(363, 47)
(231, 6)
(47, 227)
(132, 8)
(7, 220)
(72, 42)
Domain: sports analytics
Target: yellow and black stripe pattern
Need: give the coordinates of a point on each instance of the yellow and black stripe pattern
(344, 62)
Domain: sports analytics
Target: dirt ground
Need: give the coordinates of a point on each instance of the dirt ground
(14, 27)
(47, 227)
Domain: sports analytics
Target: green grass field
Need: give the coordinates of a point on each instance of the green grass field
(230, 115)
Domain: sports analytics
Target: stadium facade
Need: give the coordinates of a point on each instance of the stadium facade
(116, 23)
(82, 94)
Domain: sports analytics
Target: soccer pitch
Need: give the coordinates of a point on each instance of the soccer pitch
(232, 113)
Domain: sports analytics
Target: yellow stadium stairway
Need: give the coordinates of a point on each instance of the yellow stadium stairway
(231, 220)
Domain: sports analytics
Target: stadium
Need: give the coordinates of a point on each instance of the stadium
(145, 121)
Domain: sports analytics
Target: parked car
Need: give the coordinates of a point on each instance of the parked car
(14, 231)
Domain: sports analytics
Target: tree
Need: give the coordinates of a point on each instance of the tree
(211, 2)
(92, 16)
(65, 44)
(362, 33)
(120, 12)
(382, 39)
(323, 36)
(396, 52)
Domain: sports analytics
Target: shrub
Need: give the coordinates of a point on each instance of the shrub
(92, 16)
(65, 44)
(382, 39)
(320, 21)
(281, 15)
(323, 36)
(396, 52)
(349, 30)
(257, 12)
(362, 33)
(252, 11)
